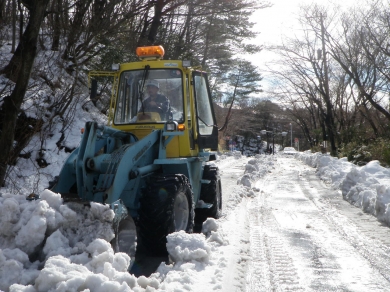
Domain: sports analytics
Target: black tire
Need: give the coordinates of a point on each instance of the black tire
(166, 206)
(210, 193)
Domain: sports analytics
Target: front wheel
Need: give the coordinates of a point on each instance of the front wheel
(166, 207)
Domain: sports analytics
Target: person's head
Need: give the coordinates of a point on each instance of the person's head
(152, 87)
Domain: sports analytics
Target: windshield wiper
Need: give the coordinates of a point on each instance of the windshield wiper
(141, 91)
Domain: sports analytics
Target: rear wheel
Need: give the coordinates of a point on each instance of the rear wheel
(210, 193)
(166, 207)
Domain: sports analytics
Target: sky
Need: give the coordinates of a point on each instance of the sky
(78, 257)
(278, 21)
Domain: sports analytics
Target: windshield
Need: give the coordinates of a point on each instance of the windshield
(149, 96)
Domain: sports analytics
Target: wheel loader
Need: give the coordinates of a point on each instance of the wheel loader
(151, 162)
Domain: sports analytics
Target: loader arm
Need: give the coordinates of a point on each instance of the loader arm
(110, 164)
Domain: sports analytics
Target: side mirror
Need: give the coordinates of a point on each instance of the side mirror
(94, 86)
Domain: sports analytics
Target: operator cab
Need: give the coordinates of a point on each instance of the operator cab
(152, 93)
(150, 96)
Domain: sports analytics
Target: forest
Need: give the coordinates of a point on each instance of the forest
(333, 78)
(330, 83)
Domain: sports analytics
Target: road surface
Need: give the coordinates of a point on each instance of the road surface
(297, 234)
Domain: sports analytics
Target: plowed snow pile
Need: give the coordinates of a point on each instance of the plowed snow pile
(77, 255)
(367, 187)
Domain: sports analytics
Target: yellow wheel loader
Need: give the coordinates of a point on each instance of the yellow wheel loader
(150, 163)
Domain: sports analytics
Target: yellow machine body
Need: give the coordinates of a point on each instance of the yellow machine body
(180, 146)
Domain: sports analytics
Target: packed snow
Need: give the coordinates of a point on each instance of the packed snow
(77, 255)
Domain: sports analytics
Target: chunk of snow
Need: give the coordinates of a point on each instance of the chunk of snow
(53, 199)
(183, 247)
(57, 244)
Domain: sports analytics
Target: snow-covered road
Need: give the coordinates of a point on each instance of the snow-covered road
(297, 234)
(283, 229)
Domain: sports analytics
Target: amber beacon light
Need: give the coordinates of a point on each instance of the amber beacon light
(150, 52)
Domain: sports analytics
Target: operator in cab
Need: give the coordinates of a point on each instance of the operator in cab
(156, 102)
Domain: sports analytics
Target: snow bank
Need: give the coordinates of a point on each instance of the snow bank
(309, 158)
(256, 168)
(45, 242)
(366, 187)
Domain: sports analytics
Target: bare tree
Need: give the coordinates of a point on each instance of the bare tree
(19, 69)
(328, 73)
(305, 84)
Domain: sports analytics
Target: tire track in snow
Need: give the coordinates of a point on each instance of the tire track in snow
(258, 278)
(342, 217)
(236, 259)
(271, 267)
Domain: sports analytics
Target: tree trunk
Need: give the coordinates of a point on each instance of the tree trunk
(57, 8)
(329, 120)
(2, 12)
(19, 70)
(21, 21)
(76, 28)
(148, 38)
(142, 41)
(207, 40)
(156, 22)
(13, 26)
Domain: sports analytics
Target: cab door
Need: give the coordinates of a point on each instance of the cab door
(207, 129)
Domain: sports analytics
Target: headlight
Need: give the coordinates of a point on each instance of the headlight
(171, 126)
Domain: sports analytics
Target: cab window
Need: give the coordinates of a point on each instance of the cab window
(153, 96)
